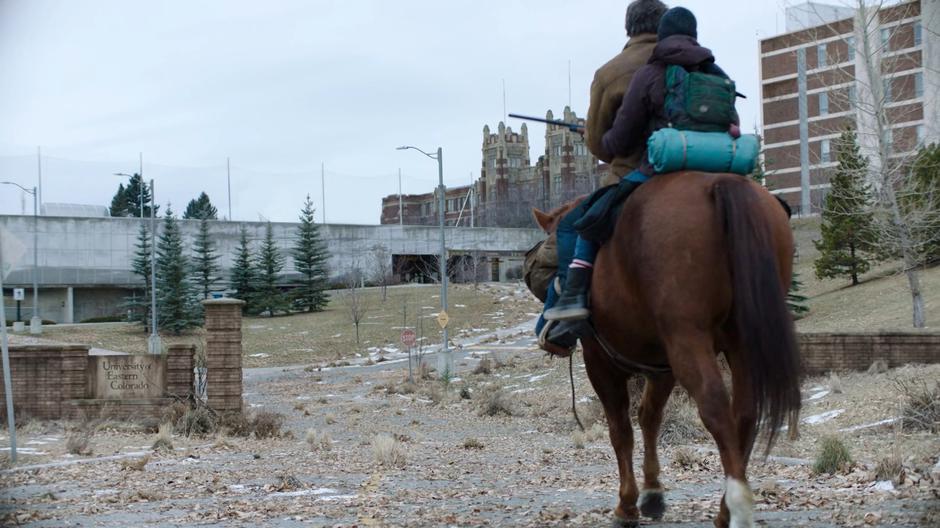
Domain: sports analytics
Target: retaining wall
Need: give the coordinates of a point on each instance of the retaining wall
(822, 353)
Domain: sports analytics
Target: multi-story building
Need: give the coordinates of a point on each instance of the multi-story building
(509, 185)
(816, 82)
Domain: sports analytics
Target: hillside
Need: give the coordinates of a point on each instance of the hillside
(881, 302)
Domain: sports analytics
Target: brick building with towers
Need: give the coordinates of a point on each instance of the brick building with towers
(509, 185)
(832, 71)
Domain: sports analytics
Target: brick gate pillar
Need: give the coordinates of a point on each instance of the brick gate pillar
(224, 354)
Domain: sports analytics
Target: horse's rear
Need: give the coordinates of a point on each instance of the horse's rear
(698, 264)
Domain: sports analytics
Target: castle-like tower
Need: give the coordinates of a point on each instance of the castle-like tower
(504, 155)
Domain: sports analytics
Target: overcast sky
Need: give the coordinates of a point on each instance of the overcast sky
(281, 86)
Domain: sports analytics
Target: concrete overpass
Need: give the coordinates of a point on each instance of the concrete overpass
(85, 263)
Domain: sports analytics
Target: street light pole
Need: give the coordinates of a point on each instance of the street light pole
(35, 324)
(446, 361)
(153, 344)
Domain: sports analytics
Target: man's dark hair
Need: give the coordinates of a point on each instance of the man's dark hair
(643, 16)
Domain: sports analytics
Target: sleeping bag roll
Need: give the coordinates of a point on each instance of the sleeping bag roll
(672, 150)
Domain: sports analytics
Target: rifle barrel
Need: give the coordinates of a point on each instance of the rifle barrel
(548, 121)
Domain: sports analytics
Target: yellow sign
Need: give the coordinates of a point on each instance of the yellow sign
(443, 319)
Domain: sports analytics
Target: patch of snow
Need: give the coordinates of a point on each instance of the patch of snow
(520, 391)
(584, 399)
(533, 379)
(303, 493)
(304, 397)
(337, 335)
(26, 451)
(822, 417)
(460, 306)
(868, 426)
(259, 355)
(818, 395)
(255, 405)
(883, 485)
(256, 327)
(105, 491)
(36, 442)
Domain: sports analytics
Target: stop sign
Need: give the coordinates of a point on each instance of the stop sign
(408, 337)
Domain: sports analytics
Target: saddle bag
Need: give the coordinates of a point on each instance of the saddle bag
(540, 267)
(672, 150)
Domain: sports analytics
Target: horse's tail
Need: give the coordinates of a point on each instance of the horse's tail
(761, 317)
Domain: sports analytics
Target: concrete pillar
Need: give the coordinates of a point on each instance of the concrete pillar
(69, 305)
(224, 354)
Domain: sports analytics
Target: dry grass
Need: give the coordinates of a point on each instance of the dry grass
(592, 434)
(684, 457)
(330, 418)
(164, 440)
(493, 401)
(890, 468)
(329, 335)
(833, 456)
(835, 383)
(134, 464)
(79, 442)
(921, 404)
(681, 423)
(880, 366)
(387, 451)
(318, 441)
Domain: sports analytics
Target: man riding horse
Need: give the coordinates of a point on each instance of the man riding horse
(696, 263)
(611, 82)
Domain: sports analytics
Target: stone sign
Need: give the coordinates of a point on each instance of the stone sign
(128, 376)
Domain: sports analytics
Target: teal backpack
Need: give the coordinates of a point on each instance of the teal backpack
(698, 101)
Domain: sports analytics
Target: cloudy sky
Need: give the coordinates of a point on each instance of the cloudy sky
(283, 86)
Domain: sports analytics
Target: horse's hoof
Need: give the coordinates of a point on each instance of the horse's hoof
(653, 504)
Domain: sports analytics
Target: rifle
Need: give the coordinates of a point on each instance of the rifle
(574, 127)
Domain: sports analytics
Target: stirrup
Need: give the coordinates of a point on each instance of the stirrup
(554, 349)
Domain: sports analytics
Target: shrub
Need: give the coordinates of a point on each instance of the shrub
(236, 424)
(835, 383)
(484, 367)
(197, 421)
(267, 424)
(387, 451)
(472, 443)
(833, 456)
(878, 367)
(330, 419)
(164, 440)
(921, 405)
(579, 438)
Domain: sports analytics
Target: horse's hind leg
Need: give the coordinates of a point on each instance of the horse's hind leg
(655, 395)
(695, 366)
(611, 387)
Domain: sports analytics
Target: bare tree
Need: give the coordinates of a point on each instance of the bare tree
(382, 268)
(878, 82)
(354, 299)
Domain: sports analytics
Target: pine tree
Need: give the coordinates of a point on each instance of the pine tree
(132, 195)
(920, 201)
(177, 305)
(205, 260)
(243, 280)
(310, 258)
(796, 301)
(119, 202)
(847, 247)
(269, 297)
(200, 208)
(141, 266)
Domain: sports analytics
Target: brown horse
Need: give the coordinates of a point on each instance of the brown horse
(698, 264)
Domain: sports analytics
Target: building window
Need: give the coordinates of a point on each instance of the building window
(918, 34)
(822, 58)
(918, 85)
(886, 39)
(824, 151)
(850, 42)
(823, 104)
